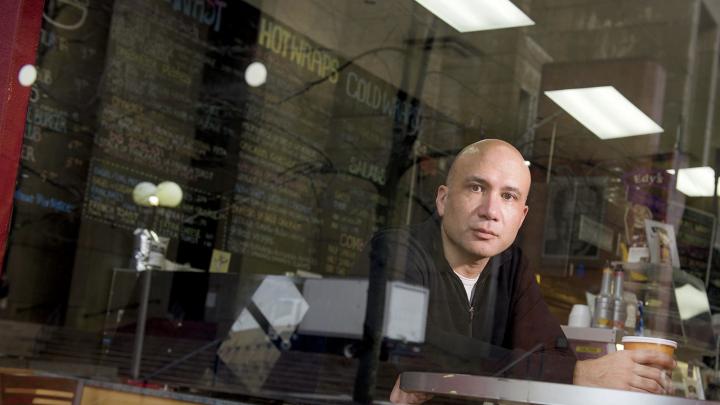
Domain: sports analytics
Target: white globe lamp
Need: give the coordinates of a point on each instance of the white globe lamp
(256, 74)
(169, 194)
(143, 192)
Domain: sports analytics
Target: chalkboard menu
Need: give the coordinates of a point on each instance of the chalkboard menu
(290, 175)
(58, 139)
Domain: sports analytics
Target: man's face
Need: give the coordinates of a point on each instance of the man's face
(483, 205)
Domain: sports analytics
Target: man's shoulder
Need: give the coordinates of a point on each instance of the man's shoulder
(402, 251)
(513, 255)
(420, 234)
(513, 264)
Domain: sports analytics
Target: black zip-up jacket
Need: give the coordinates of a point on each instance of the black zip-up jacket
(505, 318)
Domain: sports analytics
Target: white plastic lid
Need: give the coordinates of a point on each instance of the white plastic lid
(652, 340)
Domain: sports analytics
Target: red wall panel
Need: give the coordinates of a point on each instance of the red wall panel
(20, 31)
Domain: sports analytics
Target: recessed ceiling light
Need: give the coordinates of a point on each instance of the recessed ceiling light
(477, 15)
(696, 181)
(604, 112)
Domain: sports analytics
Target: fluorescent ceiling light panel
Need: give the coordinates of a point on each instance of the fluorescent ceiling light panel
(604, 111)
(477, 15)
(696, 181)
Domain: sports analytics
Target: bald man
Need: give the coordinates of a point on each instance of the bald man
(481, 291)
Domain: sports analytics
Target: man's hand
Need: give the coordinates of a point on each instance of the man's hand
(398, 396)
(633, 370)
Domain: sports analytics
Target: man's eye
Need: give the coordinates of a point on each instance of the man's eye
(476, 188)
(509, 196)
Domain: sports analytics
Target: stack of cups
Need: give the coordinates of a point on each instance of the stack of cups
(579, 316)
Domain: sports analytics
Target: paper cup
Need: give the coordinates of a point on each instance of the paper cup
(649, 343)
(579, 316)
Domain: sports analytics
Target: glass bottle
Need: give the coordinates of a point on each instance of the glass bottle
(604, 302)
(619, 311)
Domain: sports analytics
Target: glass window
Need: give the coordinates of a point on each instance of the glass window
(274, 200)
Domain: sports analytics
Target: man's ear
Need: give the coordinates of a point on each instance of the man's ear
(440, 199)
(525, 211)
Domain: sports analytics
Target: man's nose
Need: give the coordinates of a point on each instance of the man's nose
(489, 207)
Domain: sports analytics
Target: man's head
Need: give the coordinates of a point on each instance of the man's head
(482, 204)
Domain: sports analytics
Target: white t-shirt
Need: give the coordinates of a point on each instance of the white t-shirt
(469, 284)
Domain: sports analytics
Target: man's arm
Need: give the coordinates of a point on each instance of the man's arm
(389, 251)
(637, 370)
(633, 370)
(532, 323)
(398, 396)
